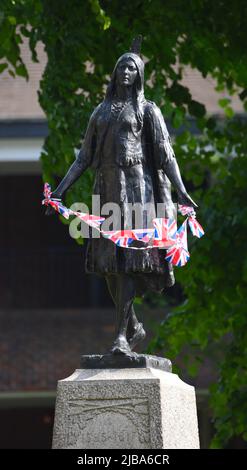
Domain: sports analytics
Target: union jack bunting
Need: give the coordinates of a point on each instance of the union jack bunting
(121, 238)
(186, 210)
(60, 208)
(125, 238)
(182, 235)
(47, 192)
(92, 220)
(195, 227)
(55, 203)
(164, 232)
(144, 235)
(178, 255)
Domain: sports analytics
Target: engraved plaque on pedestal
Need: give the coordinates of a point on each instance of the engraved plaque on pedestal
(125, 409)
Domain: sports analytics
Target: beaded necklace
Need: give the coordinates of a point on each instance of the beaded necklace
(117, 106)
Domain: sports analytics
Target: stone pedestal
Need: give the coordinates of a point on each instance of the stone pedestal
(127, 408)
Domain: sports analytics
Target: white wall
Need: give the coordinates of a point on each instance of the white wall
(20, 149)
(20, 155)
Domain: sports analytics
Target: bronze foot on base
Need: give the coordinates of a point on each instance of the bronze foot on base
(138, 335)
(121, 346)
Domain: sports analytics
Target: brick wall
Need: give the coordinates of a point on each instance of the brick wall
(18, 97)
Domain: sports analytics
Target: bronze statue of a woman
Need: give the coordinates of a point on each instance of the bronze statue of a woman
(128, 145)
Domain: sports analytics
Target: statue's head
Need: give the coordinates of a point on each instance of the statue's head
(126, 72)
(129, 71)
(131, 64)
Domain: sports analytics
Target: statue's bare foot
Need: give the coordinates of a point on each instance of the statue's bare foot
(121, 346)
(138, 335)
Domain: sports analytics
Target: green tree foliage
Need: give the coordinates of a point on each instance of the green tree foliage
(82, 40)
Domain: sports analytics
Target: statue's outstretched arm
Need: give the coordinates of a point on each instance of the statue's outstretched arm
(173, 172)
(74, 172)
(83, 160)
(163, 153)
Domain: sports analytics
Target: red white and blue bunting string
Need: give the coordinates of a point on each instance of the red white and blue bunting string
(164, 233)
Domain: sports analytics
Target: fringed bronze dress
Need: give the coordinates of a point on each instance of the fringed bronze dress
(130, 168)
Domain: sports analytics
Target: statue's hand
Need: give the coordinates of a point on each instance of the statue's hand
(56, 195)
(49, 209)
(186, 200)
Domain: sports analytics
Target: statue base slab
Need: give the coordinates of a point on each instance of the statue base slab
(128, 408)
(118, 361)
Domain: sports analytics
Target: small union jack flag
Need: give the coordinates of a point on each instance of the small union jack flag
(60, 208)
(178, 255)
(164, 232)
(92, 220)
(182, 235)
(125, 238)
(143, 235)
(121, 238)
(195, 227)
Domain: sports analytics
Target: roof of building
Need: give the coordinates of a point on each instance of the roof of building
(19, 99)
